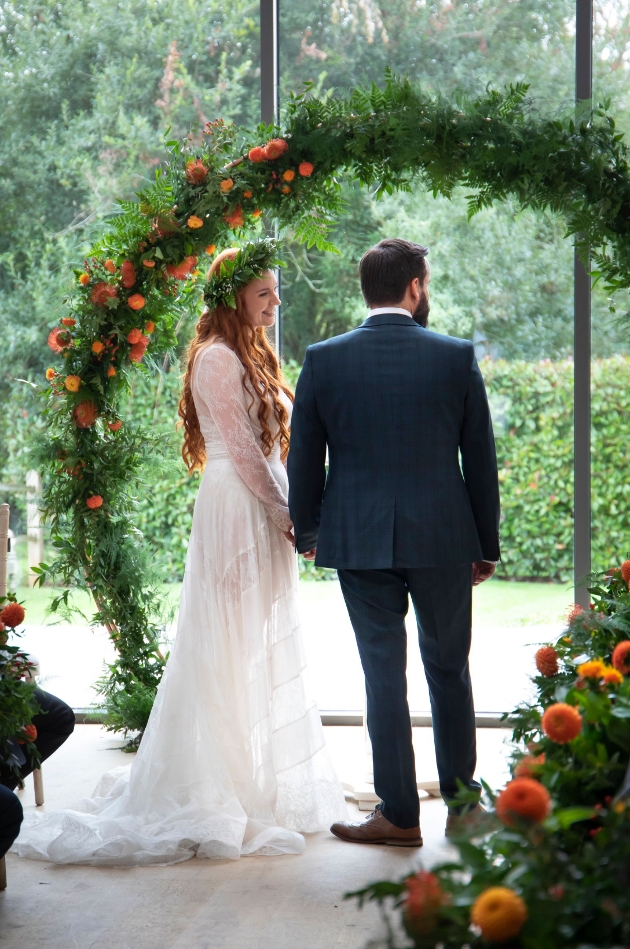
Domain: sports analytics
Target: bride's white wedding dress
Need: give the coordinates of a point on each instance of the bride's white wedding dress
(233, 760)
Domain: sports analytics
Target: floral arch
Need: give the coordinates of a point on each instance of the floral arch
(139, 281)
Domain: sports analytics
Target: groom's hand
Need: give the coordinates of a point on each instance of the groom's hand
(482, 570)
(310, 554)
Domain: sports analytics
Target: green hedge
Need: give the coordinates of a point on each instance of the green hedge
(533, 415)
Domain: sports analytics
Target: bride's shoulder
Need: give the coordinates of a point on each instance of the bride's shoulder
(215, 352)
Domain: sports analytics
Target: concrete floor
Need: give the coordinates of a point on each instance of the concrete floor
(288, 902)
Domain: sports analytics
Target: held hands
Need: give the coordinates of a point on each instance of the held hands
(482, 570)
(310, 554)
(290, 537)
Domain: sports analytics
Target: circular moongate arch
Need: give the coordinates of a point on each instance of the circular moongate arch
(139, 281)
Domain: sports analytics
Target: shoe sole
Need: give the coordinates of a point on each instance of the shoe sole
(386, 842)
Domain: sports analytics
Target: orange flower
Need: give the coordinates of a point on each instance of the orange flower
(136, 301)
(103, 292)
(72, 383)
(306, 169)
(98, 347)
(68, 321)
(257, 154)
(149, 326)
(425, 896)
(593, 669)
(134, 336)
(12, 615)
(523, 797)
(85, 414)
(114, 426)
(110, 265)
(94, 502)
(248, 194)
(286, 189)
(127, 274)
(288, 175)
(276, 148)
(194, 222)
(625, 571)
(58, 339)
(210, 249)
(196, 172)
(562, 723)
(148, 263)
(612, 676)
(621, 657)
(84, 279)
(138, 349)
(50, 374)
(111, 371)
(181, 271)
(235, 219)
(547, 661)
(256, 213)
(573, 612)
(226, 185)
(528, 765)
(500, 914)
(29, 732)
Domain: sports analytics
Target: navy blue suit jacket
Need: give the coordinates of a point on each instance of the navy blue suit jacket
(397, 406)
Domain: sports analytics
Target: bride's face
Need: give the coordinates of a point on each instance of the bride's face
(261, 299)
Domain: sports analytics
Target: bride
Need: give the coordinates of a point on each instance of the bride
(233, 760)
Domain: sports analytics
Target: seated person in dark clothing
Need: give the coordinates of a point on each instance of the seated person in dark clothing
(54, 725)
(10, 819)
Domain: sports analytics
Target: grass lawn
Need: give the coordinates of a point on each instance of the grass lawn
(496, 602)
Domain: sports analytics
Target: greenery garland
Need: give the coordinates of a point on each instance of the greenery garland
(139, 283)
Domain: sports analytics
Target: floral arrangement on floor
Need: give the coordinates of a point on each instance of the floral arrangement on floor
(548, 867)
(17, 703)
(142, 280)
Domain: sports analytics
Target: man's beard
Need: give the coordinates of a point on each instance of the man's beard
(421, 312)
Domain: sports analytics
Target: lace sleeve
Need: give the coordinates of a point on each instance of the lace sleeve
(219, 384)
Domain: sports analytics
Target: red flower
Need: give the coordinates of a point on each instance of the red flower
(425, 896)
(574, 612)
(12, 615)
(181, 271)
(127, 274)
(134, 336)
(236, 218)
(523, 797)
(196, 172)
(276, 148)
(30, 732)
(625, 571)
(101, 293)
(110, 265)
(114, 426)
(149, 326)
(306, 169)
(562, 723)
(85, 414)
(58, 339)
(528, 765)
(94, 502)
(68, 321)
(257, 154)
(621, 657)
(138, 349)
(547, 661)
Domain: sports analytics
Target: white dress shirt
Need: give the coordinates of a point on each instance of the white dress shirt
(389, 309)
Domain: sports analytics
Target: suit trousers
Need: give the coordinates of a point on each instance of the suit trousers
(10, 819)
(54, 725)
(378, 601)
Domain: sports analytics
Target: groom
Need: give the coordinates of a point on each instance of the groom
(397, 407)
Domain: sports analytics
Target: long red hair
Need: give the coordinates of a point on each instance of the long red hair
(260, 369)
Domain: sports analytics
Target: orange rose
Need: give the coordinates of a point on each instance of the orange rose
(194, 222)
(94, 502)
(98, 347)
(257, 154)
(110, 265)
(136, 301)
(226, 185)
(72, 383)
(306, 169)
(288, 175)
(84, 279)
(127, 274)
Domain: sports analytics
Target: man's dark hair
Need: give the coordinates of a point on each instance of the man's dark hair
(387, 269)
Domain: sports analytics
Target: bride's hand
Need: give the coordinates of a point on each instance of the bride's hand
(290, 537)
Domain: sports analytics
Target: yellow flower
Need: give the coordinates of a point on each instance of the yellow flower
(50, 374)
(194, 222)
(72, 383)
(97, 346)
(500, 914)
(593, 669)
(84, 279)
(612, 676)
(226, 185)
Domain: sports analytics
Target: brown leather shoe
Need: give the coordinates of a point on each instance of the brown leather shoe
(376, 829)
(465, 823)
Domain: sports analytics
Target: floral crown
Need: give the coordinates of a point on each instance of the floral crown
(251, 262)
